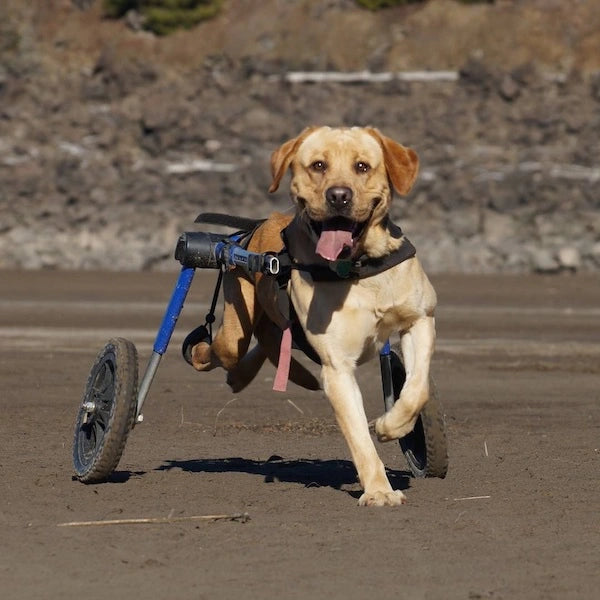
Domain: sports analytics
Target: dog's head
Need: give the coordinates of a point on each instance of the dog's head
(342, 180)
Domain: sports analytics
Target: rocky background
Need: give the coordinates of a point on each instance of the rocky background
(112, 140)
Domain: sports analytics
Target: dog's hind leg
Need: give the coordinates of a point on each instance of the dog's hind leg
(233, 337)
(269, 337)
(417, 349)
(246, 369)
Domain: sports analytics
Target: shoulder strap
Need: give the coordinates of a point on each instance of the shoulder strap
(243, 223)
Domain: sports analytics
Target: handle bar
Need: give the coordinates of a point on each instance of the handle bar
(212, 250)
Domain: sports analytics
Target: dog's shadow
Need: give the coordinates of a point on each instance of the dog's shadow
(307, 472)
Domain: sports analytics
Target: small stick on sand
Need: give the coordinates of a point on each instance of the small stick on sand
(471, 498)
(241, 517)
(295, 406)
(219, 414)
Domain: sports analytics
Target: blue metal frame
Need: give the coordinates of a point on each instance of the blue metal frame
(173, 309)
(228, 254)
(163, 337)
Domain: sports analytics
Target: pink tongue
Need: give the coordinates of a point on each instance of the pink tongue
(332, 242)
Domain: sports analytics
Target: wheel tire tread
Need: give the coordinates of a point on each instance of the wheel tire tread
(434, 428)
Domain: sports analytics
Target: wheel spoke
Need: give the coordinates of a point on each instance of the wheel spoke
(99, 429)
(103, 392)
(87, 441)
(103, 415)
(101, 419)
(105, 382)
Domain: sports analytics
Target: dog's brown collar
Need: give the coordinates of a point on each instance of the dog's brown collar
(300, 241)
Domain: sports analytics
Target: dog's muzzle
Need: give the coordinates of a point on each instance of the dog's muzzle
(338, 234)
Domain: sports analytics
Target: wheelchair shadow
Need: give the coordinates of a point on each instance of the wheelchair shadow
(306, 472)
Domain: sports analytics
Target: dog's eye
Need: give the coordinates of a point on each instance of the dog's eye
(319, 165)
(362, 167)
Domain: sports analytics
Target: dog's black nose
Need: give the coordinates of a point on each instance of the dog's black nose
(339, 197)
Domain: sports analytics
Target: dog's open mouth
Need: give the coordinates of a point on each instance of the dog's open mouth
(337, 237)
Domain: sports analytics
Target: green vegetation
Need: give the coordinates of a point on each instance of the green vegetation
(377, 4)
(164, 16)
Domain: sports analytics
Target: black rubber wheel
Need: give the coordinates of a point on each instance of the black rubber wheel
(107, 412)
(425, 447)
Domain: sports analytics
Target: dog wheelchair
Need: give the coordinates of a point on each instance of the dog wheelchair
(114, 396)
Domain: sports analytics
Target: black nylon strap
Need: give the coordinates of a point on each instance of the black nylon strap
(322, 270)
(241, 223)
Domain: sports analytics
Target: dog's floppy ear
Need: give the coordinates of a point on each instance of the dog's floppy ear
(283, 156)
(401, 163)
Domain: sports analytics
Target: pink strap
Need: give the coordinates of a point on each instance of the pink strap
(285, 357)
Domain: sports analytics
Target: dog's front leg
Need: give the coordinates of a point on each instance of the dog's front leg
(344, 394)
(417, 349)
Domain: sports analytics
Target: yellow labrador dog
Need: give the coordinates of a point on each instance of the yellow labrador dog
(353, 281)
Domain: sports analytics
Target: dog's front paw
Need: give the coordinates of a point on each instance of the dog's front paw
(388, 428)
(392, 498)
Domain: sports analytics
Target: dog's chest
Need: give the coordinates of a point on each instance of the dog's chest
(367, 308)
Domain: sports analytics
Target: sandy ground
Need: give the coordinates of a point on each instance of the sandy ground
(517, 367)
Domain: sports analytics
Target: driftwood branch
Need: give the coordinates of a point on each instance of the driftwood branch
(241, 517)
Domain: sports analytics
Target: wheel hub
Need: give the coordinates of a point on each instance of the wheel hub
(90, 409)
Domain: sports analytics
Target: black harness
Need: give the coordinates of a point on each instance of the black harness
(300, 235)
